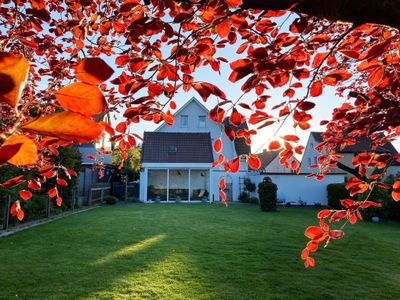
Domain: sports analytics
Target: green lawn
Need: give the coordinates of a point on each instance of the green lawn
(196, 252)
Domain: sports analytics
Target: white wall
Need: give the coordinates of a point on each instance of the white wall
(292, 188)
(275, 167)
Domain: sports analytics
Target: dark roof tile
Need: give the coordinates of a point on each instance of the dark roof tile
(177, 147)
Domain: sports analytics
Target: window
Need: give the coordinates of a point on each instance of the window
(315, 160)
(184, 121)
(202, 121)
(309, 161)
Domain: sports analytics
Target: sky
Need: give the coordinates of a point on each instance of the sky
(322, 111)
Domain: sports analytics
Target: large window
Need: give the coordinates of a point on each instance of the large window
(178, 185)
(157, 185)
(199, 185)
(202, 121)
(184, 121)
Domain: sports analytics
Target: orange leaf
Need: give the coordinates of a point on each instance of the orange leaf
(13, 75)
(396, 191)
(291, 138)
(223, 28)
(70, 126)
(335, 76)
(234, 165)
(234, 3)
(52, 192)
(26, 153)
(274, 145)
(314, 232)
(61, 182)
(81, 97)
(20, 215)
(93, 70)
(254, 162)
(26, 195)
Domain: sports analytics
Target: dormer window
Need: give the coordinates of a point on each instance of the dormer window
(184, 121)
(202, 121)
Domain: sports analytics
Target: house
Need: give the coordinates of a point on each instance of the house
(270, 163)
(363, 144)
(177, 159)
(89, 176)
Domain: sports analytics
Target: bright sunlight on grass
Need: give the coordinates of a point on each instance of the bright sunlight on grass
(196, 252)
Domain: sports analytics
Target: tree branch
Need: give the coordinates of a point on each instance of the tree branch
(351, 171)
(385, 12)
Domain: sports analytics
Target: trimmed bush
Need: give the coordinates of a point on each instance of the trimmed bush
(110, 200)
(390, 209)
(267, 192)
(133, 199)
(337, 192)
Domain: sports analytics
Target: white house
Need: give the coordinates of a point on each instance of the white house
(362, 144)
(177, 160)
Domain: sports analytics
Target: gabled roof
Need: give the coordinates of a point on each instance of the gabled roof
(177, 147)
(193, 99)
(363, 144)
(241, 146)
(267, 157)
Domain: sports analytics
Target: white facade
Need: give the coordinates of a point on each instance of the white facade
(192, 118)
(275, 167)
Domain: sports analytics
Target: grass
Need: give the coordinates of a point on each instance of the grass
(196, 252)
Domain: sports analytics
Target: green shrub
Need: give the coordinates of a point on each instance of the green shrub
(253, 200)
(133, 199)
(390, 209)
(110, 200)
(267, 192)
(250, 186)
(337, 192)
(243, 197)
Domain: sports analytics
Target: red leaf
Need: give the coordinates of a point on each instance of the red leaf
(396, 191)
(222, 185)
(61, 182)
(13, 181)
(336, 234)
(254, 162)
(234, 3)
(274, 145)
(335, 76)
(34, 185)
(314, 232)
(218, 145)
(316, 88)
(236, 118)
(291, 138)
(375, 77)
(168, 118)
(93, 70)
(25, 195)
(121, 127)
(53, 192)
(318, 58)
(306, 105)
(229, 132)
(234, 165)
(59, 201)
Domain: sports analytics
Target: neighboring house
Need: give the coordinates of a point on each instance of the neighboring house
(270, 163)
(362, 144)
(177, 160)
(88, 174)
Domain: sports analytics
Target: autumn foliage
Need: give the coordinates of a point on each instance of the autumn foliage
(56, 85)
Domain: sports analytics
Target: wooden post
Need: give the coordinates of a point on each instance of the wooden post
(48, 207)
(90, 198)
(6, 213)
(126, 188)
(101, 195)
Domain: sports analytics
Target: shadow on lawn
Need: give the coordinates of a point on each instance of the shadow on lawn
(169, 252)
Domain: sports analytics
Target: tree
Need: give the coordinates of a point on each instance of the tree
(52, 60)
(131, 165)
